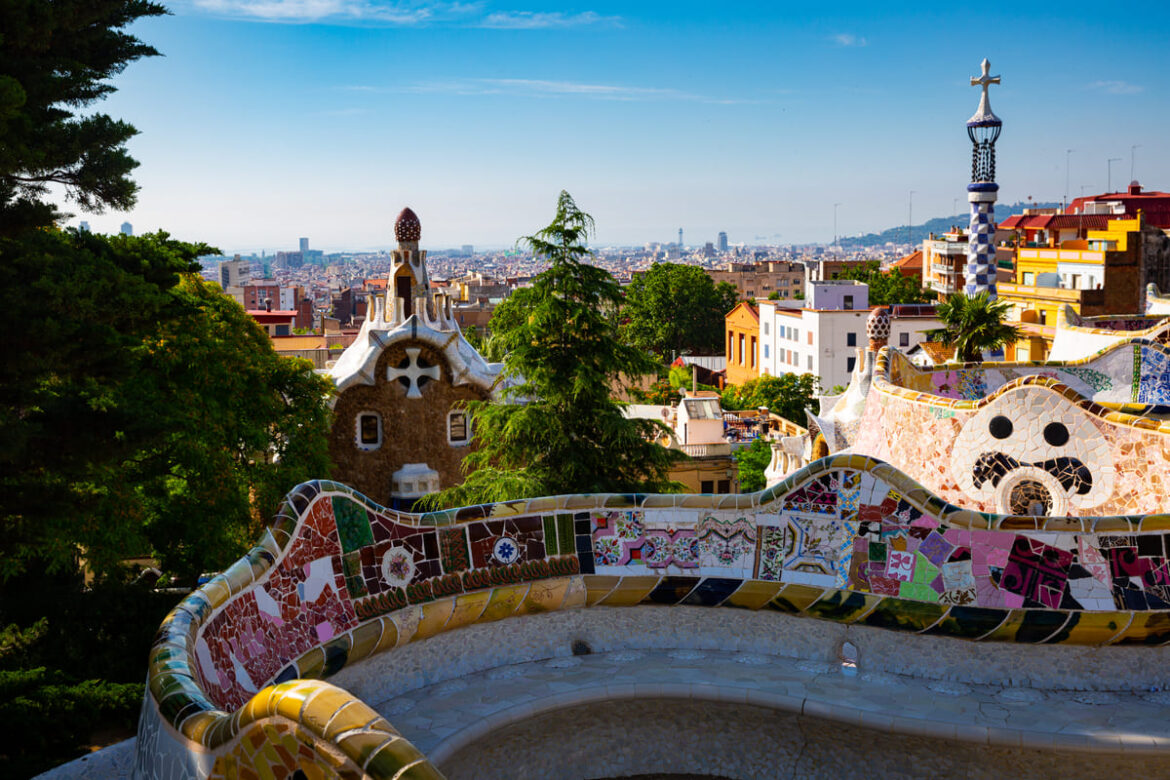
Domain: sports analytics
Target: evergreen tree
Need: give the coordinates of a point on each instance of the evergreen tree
(974, 325)
(557, 430)
(55, 58)
(674, 309)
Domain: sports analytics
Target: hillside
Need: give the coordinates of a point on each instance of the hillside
(936, 225)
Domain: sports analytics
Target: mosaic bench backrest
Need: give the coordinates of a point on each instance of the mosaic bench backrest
(847, 539)
(1134, 372)
(1033, 444)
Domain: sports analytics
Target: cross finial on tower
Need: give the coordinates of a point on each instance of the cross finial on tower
(984, 114)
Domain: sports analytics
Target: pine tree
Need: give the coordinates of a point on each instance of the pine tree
(557, 430)
(55, 58)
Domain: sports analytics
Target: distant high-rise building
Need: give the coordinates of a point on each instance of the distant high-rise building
(304, 245)
(83, 227)
(680, 243)
(127, 229)
(468, 249)
(722, 243)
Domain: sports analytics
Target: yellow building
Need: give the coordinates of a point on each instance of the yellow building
(742, 325)
(1097, 275)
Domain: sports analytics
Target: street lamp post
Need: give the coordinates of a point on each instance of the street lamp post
(1067, 155)
(835, 242)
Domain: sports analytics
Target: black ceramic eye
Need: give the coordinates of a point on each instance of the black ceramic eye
(1000, 427)
(1056, 434)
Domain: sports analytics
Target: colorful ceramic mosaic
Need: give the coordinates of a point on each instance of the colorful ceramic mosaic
(1051, 439)
(235, 675)
(1080, 337)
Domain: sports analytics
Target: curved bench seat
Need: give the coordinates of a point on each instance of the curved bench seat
(236, 677)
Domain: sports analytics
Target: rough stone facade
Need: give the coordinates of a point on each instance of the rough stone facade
(414, 430)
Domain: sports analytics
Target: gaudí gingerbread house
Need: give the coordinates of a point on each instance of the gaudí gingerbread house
(400, 429)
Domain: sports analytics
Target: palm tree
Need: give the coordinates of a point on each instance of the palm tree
(974, 325)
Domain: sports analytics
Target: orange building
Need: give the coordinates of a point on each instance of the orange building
(743, 343)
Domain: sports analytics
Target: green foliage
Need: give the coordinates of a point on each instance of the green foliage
(673, 309)
(752, 461)
(76, 675)
(787, 395)
(887, 288)
(557, 431)
(774, 295)
(661, 393)
(974, 325)
(145, 413)
(55, 58)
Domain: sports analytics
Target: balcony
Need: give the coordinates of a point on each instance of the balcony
(720, 449)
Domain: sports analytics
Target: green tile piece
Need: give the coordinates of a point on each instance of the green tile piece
(550, 535)
(566, 536)
(353, 524)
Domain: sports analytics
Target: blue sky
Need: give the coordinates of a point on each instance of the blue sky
(268, 119)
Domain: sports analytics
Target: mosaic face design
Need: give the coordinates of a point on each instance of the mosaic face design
(1032, 452)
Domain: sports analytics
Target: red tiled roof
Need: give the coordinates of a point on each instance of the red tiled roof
(912, 260)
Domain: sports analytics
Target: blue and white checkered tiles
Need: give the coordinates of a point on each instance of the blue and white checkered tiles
(980, 251)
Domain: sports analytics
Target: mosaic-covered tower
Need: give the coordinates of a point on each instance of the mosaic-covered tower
(983, 129)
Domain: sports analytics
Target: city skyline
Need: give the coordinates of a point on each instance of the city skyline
(266, 120)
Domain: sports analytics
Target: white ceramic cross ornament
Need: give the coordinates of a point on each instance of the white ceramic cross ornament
(414, 372)
(985, 81)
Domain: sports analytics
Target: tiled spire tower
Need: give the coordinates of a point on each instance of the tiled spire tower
(983, 129)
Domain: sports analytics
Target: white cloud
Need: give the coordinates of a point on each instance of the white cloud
(535, 20)
(374, 11)
(541, 88)
(398, 12)
(848, 39)
(1116, 87)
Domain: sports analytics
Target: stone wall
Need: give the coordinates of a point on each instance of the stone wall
(413, 430)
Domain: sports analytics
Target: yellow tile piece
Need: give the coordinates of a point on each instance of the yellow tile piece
(260, 706)
(504, 601)
(1091, 628)
(575, 593)
(216, 592)
(435, 615)
(753, 594)
(311, 664)
(796, 598)
(1156, 523)
(630, 591)
(389, 637)
(1146, 628)
(321, 708)
(364, 640)
(392, 757)
(360, 745)
(352, 715)
(544, 596)
(290, 697)
(468, 607)
(598, 586)
(196, 727)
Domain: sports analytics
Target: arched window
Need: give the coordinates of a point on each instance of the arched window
(368, 433)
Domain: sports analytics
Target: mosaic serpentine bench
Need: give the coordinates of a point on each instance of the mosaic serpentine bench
(235, 676)
(1080, 337)
(1080, 438)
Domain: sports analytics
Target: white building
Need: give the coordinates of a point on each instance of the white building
(823, 337)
